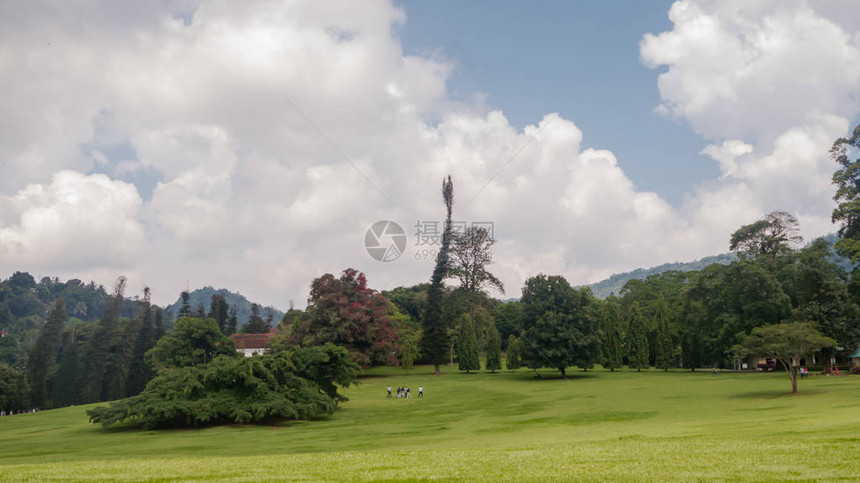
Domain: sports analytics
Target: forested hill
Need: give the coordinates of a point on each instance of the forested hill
(203, 296)
(616, 282)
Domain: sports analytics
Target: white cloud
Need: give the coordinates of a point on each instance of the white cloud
(75, 222)
(279, 133)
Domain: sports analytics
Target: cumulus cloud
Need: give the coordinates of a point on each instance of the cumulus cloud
(276, 135)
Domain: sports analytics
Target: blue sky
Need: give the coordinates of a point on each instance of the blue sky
(580, 59)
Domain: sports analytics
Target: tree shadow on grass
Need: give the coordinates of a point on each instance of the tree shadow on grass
(775, 394)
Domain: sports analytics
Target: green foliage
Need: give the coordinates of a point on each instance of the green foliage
(509, 319)
(467, 346)
(788, 343)
(637, 341)
(665, 346)
(409, 349)
(411, 301)
(236, 390)
(193, 342)
(512, 357)
(494, 350)
(13, 389)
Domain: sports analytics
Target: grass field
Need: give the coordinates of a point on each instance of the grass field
(621, 426)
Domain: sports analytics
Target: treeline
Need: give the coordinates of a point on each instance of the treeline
(86, 345)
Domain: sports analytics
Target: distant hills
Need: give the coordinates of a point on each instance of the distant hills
(616, 282)
(243, 305)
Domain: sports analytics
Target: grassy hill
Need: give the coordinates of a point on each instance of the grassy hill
(600, 426)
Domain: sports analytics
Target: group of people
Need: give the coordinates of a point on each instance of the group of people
(804, 372)
(404, 392)
(21, 411)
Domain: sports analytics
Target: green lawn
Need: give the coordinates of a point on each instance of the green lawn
(504, 426)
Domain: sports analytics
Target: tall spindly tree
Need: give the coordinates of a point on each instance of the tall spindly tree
(434, 340)
(494, 349)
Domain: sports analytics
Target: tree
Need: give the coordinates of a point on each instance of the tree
(193, 342)
(13, 389)
(345, 312)
(787, 343)
(509, 319)
(470, 256)
(298, 384)
(139, 372)
(613, 341)
(99, 350)
(512, 357)
(467, 346)
(44, 354)
(559, 324)
(434, 341)
(494, 350)
(220, 311)
(771, 236)
(256, 324)
(847, 180)
(409, 352)
(665, 347)
(637, 340)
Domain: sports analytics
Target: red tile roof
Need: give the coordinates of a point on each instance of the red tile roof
(251, 341)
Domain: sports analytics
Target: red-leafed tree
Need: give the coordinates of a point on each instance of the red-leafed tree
(345, 312)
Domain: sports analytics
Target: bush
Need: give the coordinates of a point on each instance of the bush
(287, 385)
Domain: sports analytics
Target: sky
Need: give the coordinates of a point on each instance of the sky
(251, 146)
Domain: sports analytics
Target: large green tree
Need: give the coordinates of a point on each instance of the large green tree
(559, 324)
(512, 357)
(846, 153)
(434, 340)
(193, 342)
(787, 343)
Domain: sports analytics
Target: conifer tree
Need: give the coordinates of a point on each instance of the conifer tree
(637, 339)
(494, 349)
(467, 346)
(665, 348)
(44, 354)
(613, 342)
(512, 358)
(139, 373)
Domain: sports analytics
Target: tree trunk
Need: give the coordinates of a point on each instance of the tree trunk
(436, 368)
(561, 370)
